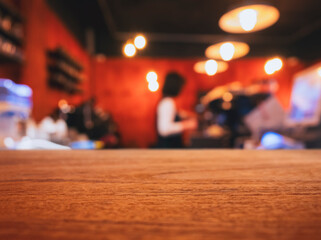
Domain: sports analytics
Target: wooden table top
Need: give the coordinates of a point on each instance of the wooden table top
(151, 194)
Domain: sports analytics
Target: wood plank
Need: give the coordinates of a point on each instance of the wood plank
(151, 194)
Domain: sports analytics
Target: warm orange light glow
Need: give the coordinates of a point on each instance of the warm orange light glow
(226, 105)
(151, 76)
(319, 71)
(100, 57)
(211, 67)
(140, 41)
(62, 103)
(153, 86)
(227, 50)
(273, 65)
(292, 61)
(63, 106)
(129, 50)
(249, 18)
(227, 96)
(199, 67)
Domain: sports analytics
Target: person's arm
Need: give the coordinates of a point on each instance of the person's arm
(166, 124)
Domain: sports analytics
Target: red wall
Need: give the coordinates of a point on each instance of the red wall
(43, 31)
(121, 88)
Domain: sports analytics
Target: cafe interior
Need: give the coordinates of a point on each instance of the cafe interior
(160, 119)
(84, 74)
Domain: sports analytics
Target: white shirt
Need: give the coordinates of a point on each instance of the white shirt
(166, 112)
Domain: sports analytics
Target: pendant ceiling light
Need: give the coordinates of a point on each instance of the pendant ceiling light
(249, 18)
(207, 67)
(227, 50)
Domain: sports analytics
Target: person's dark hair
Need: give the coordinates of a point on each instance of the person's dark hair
(173, 84)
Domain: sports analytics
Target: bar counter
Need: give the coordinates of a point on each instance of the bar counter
(152, 194)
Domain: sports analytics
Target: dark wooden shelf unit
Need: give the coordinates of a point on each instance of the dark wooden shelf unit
(58, 68)
(61, 55)
(65, 73)
(11, 35)
(9, 10)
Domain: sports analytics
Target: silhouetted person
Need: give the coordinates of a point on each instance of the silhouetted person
(170, 125)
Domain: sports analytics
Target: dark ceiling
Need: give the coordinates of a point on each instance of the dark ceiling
(184, 28)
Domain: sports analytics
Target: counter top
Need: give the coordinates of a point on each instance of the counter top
(152, 194)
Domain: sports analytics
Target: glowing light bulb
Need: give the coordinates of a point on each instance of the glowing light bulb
(248, 19)
(278, 64)
(211, 67)
(268, 68)
(153, 86)
(140, 42)
(151, 77)
(319, 71)
(227, 51)
(227, 96)
(226, 105)
(129, 50)
(273, 65)
(62, 103)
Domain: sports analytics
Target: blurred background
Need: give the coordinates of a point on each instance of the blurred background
(97, 74)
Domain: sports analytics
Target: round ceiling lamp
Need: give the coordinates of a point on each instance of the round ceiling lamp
(153, 86)
(151, 76)
(140, 41)
(227, 50)
(273, 65)
(249, 18)
(210, 68)
(129, 50)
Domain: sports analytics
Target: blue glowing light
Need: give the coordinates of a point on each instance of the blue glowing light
(23, 90)
(83, 145)
(20, 90)
(272, 140)
(8, 83)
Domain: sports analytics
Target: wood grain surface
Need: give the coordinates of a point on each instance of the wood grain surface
(151, 194)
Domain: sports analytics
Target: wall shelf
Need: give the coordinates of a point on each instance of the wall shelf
(61, 55)
(65, 73)
(60, 68)
(10, 11)
(11, 35)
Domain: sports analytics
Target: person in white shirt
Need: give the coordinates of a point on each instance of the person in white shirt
(170, 125)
